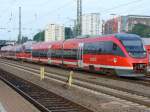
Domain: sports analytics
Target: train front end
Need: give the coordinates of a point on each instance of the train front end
(136, 56)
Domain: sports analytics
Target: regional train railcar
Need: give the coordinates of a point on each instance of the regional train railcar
(43, 51)
(72, 53)
(55, 53)
(25, 53)
(148, 51)
(5, 50)
(19, 51)
(136, 54)
(11, 54)
(123, 54)
(40, 52)
(36, 52)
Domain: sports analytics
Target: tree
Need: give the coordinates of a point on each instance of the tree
(39, 36)
(141, 29)
(24, 39)
(68, 33)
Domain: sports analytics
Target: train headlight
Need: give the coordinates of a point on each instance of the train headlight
(131, 54)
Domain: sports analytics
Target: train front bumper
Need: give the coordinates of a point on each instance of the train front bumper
(129, 73)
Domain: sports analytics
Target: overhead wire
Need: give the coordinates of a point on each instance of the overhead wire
(67, 4)
(132, 9)
(7, 8)
(52, 12)
(122, 5)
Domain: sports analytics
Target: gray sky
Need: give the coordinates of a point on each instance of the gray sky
(36, 14)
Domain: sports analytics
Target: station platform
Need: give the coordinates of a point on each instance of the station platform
(11, 101)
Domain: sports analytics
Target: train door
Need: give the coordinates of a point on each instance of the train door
(31, 56)
(49, 54)
(80, 55)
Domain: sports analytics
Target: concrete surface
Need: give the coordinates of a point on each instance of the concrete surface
(11, 101)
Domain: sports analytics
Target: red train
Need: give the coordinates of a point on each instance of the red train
(122, 54)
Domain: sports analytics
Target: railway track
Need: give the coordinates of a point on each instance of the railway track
(44, 100)
(143, 81)
(137, 98)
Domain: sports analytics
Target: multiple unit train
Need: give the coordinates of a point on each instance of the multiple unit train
(122, 54)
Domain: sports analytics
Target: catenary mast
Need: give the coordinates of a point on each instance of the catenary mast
(79, 17)
(19, 35)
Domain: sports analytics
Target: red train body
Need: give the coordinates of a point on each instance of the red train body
(148, 51)
(122, 54)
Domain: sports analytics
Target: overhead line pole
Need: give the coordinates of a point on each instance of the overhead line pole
(79, 17)
(19, 35)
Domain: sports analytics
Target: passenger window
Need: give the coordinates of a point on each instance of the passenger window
(107, 49)
(70, 54)
(117, 50)
(100, 50)
(91, 48)
(49, 53)
(114, 46)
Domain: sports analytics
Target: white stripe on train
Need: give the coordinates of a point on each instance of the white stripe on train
(95, 65)
(108, 66)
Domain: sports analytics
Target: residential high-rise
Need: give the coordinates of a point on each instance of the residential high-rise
(91, 24)
(54, 32)
(125, 23)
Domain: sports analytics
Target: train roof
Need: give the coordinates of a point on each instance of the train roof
(146, 41)
(6, 48)
(28, 45)
(73, 43)
(120, 36)
(124, 36)
(46, 45)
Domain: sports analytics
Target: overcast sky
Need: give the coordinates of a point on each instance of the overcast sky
(36, 14)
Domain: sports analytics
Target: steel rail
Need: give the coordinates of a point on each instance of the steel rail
(65, 78)
(143, 81)
(44, 100)
(139, 99)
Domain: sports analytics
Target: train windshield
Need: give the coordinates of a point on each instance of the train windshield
(135, 48)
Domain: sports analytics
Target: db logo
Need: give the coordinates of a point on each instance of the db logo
(115, 60)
